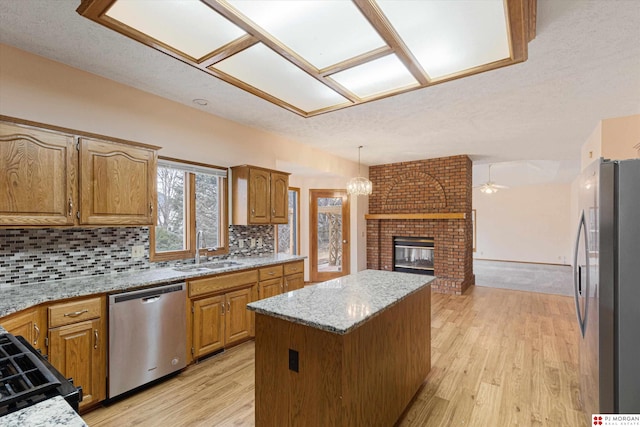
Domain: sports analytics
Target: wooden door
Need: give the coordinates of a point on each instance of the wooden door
(328, 234)
(279, 198)
(238, 318)
(78, 351)
(117, 184)
(208, 325)
(259, 199)
(270, 288)
(294, 282)
(37, 177)
(29, 325)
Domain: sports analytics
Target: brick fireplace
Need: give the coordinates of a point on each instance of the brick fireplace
(424, 198)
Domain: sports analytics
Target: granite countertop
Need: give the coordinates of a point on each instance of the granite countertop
(342, 304)
(48, 413)
(20, 297)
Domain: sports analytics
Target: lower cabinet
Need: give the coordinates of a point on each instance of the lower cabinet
(270, 288)
(293, 282)
(77, 346)
(221, 320)
(30, 324)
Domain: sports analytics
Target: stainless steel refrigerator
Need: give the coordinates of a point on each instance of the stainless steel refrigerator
(607, 287)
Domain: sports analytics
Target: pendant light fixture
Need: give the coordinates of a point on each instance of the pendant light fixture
(359, 186)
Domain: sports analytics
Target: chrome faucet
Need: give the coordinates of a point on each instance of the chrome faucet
(198, 240)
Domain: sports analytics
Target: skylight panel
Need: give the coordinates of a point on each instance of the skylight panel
(323, 32)
(264, 69)
(189, 26)
(382, 75)
(446, 36)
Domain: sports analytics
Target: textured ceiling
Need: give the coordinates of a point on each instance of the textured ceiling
(583, 66)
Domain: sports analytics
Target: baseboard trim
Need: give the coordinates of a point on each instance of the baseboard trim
(522, 262)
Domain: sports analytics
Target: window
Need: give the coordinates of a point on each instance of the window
(192, 197)
(288, 235)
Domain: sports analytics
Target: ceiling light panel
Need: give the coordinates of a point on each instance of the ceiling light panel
(450, 36)
(323, 32)
(375, 77)
(264, 69)
(188, 26)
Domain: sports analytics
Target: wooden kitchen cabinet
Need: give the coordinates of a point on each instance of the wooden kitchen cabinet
(37, 177)
(117, 183)
(293, 276)
(259, 196)
(219, 314)
(78, 347)
(270, 288)
(208, 325)
(30, 324)
(55, 177)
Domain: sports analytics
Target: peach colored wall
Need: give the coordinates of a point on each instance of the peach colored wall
(37, 89)
(527, 224)
(621, 138)
(617, 138)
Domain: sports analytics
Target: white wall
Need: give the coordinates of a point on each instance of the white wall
(526, 224)
(37, 89)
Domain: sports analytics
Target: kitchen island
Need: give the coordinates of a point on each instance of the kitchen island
(352, 351)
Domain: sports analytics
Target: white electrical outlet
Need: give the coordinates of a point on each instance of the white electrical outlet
(253, 243)
(259, 242)
(241, 243)
(137, 251)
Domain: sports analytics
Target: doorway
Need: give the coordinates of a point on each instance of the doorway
(329, 234)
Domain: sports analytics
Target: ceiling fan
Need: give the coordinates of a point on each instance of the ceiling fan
(491, 187)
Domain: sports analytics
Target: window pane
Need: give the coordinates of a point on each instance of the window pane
(329, 234)
(170, 231)
(287, 233)
(207, 209)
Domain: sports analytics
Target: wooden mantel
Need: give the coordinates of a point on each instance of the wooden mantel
(452, 215)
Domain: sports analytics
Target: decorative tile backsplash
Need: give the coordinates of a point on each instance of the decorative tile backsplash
(37, 255)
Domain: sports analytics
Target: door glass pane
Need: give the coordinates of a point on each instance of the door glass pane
(170, 229)
(288, 233)
(329, 234)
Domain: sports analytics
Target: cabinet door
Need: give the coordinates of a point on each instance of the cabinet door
(293, 282)
(279, 198)
(78, 351)
(270, 288)
(208, 325)
(117, 184)
(37, 177)
(238, 318)
(259, 199)
(28, 325)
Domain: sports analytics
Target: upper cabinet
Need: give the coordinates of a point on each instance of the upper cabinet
(259, 196)
(37, 177)
(117, 183)
(55, 178)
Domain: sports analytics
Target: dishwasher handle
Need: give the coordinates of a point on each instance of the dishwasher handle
(149, 300)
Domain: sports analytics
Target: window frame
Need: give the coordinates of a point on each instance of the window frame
(190, 217)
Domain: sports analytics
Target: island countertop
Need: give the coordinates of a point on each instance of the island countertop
(341, 305)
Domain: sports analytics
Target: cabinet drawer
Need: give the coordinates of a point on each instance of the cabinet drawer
(270, 272)
(294, 267)
(213, 284)
(73, 312)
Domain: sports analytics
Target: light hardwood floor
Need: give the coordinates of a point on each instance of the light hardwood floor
(499, 358)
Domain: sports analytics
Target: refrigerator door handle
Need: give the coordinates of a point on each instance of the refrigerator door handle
(577, 271)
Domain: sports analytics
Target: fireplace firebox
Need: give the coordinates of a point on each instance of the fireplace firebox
(413, 255)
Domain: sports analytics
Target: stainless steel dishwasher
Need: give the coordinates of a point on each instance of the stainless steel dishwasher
(147, 336)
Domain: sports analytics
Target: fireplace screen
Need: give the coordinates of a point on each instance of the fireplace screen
(413, 255)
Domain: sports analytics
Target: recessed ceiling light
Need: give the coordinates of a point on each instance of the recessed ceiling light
(315, 56)
(201, 102)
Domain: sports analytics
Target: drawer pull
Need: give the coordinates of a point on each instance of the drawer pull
(76, 313)
(35, 340)
(271, 273)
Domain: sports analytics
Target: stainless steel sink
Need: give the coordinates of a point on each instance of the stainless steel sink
(209, 266)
